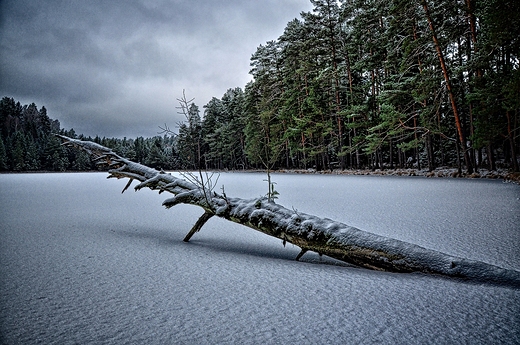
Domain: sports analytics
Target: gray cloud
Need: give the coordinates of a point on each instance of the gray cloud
(113, 68)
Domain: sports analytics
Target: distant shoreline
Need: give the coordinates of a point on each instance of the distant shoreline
(499, 174)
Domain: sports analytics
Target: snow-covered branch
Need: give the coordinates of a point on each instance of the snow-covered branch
(310, 233)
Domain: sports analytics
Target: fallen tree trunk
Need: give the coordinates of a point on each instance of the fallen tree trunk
(310, 233)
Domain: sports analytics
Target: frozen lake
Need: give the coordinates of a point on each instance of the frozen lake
(81, 263)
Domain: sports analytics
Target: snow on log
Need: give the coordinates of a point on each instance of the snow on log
(310, 233)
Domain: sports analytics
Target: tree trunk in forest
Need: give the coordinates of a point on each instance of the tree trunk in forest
(429, 150)
(391, 153)
(459, 164)
(308, 232)
(491, 157)
(358, 154)
(440, 55)
(511, 139)
(417, 156)
(472, 23)
(443, 156)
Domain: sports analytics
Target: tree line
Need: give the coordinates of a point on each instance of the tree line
(352, 84)
(374, 84)
(28, 143)
(377, 83)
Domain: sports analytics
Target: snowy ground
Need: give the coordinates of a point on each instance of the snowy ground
(82, 264)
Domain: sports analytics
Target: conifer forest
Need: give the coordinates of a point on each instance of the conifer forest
(353, 84)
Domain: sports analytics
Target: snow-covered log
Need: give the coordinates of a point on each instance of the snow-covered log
(310, 233)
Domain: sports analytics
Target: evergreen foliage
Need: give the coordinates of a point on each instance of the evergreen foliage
(27, 143)
(352, 84)
(377, 84)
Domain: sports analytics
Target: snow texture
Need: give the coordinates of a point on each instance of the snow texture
(365, 249)
(324, 236)
(82, 263)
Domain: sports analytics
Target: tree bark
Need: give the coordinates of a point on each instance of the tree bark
(198, 225)
(310, 233)
(511, 138)
(449, 88)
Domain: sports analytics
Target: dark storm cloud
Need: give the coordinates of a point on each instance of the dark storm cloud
(115, 68)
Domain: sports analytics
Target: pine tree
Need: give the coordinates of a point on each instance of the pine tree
(32, 159)
(18, 151)
(157, 157)
(3, 156)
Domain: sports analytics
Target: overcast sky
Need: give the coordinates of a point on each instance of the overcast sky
(116, 68)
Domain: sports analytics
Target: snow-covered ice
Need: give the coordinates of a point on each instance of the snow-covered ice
(81, 263)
